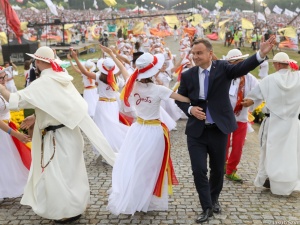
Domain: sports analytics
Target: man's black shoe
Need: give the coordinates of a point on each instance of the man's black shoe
(217, 207)
(267, 183)
(204, 216)
(67, 220)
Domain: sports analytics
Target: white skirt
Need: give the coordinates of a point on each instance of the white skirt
(136, 171)
(91, 97)
(14, 174)
(107, 119)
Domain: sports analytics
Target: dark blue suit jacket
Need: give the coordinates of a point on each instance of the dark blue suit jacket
(220, 76)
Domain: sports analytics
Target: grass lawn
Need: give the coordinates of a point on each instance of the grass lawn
(219, 50)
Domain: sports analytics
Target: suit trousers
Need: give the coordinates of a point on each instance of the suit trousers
(212, 142)
(237, 142)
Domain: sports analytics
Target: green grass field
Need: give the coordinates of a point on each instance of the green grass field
(219, 50)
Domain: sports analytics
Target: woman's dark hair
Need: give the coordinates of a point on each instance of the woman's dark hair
(137, 45)
(146, 80)
(103, 78)
(27, 64)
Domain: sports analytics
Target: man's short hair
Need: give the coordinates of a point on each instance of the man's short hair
(206, 42)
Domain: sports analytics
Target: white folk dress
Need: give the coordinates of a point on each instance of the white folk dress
(107, 116)
(282, 160)
(14, 174)
(139, 160)
(61, 190)
(90, 94)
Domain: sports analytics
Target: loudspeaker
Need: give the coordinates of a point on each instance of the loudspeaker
(57, 21)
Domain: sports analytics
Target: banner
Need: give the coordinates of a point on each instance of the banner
(267, 11)
(12, 18)
(260, 16)
(52, 7)
(289, 13)
(277, 10)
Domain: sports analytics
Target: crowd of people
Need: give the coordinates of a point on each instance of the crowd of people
(127, 111)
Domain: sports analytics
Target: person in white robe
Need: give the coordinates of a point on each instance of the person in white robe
(57, 187)
(280, 91)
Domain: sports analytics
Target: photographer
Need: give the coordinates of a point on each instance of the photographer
(104, 39)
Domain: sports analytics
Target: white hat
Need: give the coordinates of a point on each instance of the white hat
(43, 53)
(90, 66)
(282, 57)
(107, 64)
(145, 60)
(235, 54)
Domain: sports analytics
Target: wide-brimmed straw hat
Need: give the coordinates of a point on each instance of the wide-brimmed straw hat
(90, 65)
(104, 65)
(146, 60)
(43, 53)
(235, 54)
(282, 57)
(47, 55)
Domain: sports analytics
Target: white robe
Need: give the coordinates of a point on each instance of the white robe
(282, 160)
(62, 189)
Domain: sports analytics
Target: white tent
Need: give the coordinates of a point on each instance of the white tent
(16, 7)
(154, 9)
(193, 10)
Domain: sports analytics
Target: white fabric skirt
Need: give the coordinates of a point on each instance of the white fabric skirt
(107, 119)
(136, 171)
(91, 97)
(14, 174)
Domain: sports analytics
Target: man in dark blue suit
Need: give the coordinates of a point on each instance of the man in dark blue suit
(211, 117)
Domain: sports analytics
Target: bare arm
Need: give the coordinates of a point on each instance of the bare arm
(81, 67)
(4, 92)
(118, 63)
(70, 60)
(18, 135)
(120, 57)
(179, 97)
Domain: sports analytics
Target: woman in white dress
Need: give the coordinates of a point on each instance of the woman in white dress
(90, 93)
(107, 110)
(14, 171)
(139, 177)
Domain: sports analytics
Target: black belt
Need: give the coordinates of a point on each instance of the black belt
(210, 125)
(53, 128)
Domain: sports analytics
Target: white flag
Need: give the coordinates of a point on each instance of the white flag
(297, 10)
(288, 13)
(277, 10)
(95, 4)
(249, 1)
(83, 5)
(267, 11)
(260, 16)
(35, 10)
(52, 7)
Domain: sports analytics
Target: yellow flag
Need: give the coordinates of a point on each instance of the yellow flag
(206, 25)
(155, 21)
(289, 32)
(223, 22)
(3, 38)
(172, 21)
(110, 2)
(196, 19)
(138, 28)
(222, 32)
(24, 25)
(246, 24)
